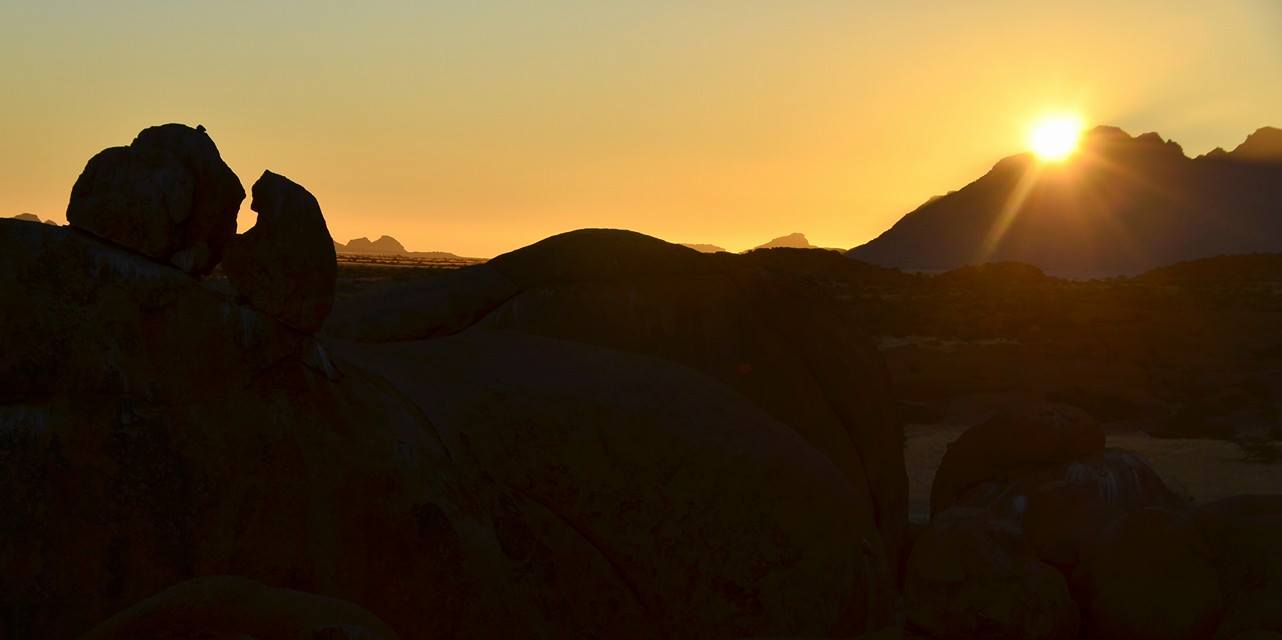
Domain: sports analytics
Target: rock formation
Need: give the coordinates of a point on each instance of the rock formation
(384, 245)
(31, 217)
(285, 265)
(168, 196)
(389, 246)
(468, 485)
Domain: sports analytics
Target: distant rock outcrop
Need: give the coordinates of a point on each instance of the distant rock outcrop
(31, 217)
(389, 246)
(791, 241)
(384, 245)
(285, 265)
(1121, 205)
(168, 196)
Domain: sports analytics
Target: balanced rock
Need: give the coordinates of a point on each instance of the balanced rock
(168, 195)
(285, 265)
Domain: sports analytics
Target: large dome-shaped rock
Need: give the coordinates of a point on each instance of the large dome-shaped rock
(971, 576)
(285, 265)
(1151, 577)
(168, 195)
(751, 322)
(1010, 443)
(233, 607)
(689, 494)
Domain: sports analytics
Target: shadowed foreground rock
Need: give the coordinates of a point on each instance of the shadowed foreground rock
(231, 607)
(168, 196)
(285, 265)
(1034, 509)
(153, 431)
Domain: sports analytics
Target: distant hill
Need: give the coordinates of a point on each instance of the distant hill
(1121, 205)
(31, 217)
(705, 248)
(388, 246)
(790, 241)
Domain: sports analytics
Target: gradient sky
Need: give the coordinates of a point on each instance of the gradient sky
(481, 126)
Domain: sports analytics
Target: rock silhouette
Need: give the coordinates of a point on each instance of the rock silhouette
(559, 488)
(168, 195)
(388, 246)
(384, 245)
(31, 217)
(284, 265)
(1122, 205)
(791, 241)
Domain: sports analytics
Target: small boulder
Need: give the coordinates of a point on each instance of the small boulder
(285, 265)
(1010, 443)
(168, 195)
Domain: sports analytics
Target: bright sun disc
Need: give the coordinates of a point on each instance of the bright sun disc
(1055, 138)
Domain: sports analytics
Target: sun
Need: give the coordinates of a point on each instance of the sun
(1055, 137)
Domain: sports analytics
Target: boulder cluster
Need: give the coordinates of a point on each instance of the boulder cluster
(169, 196)
(1039, 531)
(600, 435)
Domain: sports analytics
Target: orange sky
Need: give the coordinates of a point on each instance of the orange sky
(480, 127)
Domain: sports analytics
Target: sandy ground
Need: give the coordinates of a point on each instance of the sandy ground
(1204, 470)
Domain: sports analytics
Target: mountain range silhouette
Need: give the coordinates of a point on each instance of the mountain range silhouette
(1120, 205)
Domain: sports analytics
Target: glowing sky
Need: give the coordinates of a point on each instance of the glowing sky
(480, 126)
